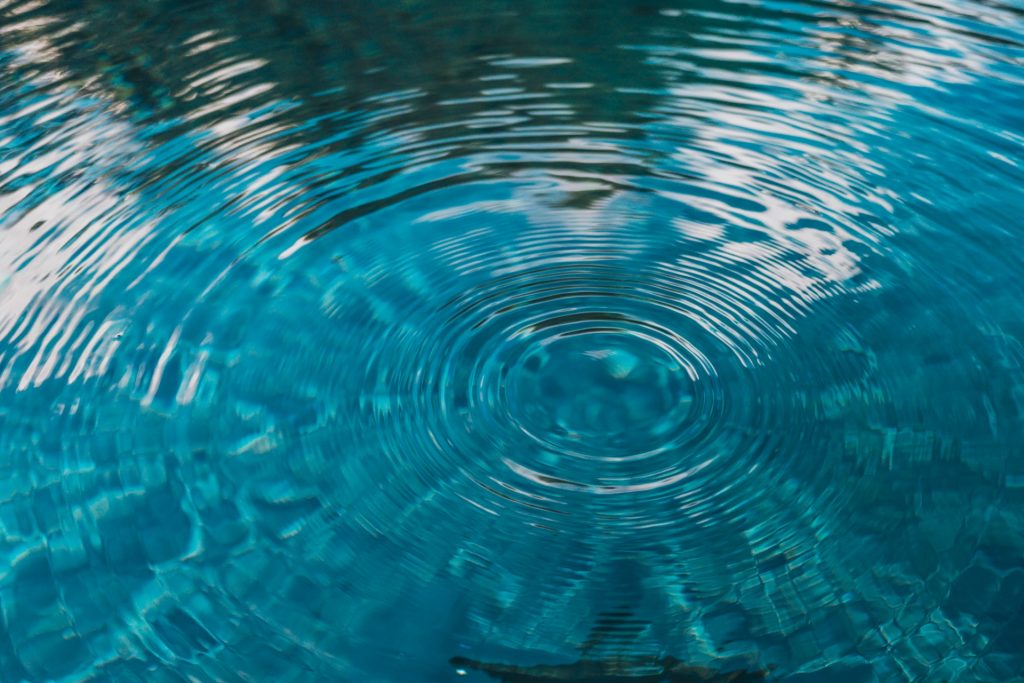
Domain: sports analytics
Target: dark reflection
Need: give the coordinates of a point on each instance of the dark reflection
(184, 59)
(626, 670)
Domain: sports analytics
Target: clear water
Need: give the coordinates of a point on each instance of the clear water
(338, 340)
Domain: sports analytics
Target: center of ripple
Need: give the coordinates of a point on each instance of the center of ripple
(601, 394)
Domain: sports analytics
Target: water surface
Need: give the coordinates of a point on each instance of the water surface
(341, 339)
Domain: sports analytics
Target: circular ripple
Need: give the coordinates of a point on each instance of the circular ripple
(594, 373)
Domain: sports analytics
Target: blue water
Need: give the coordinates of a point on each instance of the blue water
(338, 340)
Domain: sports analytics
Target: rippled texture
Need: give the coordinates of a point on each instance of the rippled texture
(338, 340)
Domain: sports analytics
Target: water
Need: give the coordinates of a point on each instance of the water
(338, 340)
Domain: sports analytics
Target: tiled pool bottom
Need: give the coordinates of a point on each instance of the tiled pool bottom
(511, 341)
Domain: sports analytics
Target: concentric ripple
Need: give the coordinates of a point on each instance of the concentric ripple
(338, 341)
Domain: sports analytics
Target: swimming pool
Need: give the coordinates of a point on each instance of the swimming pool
(421, 341)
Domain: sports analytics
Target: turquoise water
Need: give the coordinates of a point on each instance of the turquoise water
(342, 340)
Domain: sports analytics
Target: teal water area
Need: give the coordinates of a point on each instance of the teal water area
(424, 341)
